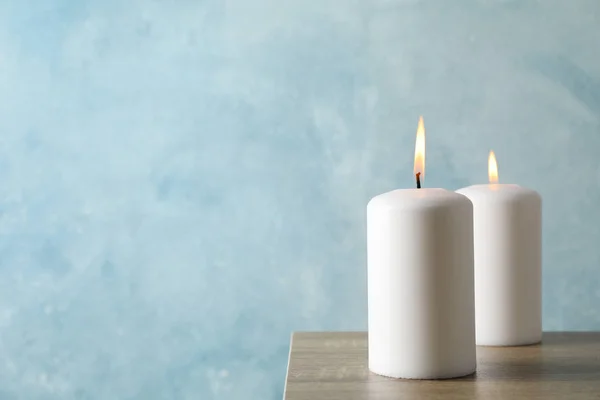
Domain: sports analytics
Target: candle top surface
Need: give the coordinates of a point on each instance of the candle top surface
(417, 198)
(498, 190)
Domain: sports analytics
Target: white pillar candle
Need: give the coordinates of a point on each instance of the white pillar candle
(420, 283)
(508, 262)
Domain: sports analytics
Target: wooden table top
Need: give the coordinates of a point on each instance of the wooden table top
(333, 366)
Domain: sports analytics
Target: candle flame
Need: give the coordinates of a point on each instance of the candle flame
(419, 167)
(492, 168)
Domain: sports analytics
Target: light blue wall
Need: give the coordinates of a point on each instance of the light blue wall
(183, 183)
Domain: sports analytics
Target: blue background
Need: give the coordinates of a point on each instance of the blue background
(183, 183)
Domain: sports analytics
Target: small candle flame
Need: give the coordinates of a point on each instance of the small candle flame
(492, 168)
(419, 169)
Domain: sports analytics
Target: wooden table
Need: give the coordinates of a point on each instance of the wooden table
(333, 366)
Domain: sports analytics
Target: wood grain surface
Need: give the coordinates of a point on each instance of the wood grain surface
(333, 366)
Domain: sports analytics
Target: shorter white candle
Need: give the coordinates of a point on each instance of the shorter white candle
(508, 262)
(420, 281)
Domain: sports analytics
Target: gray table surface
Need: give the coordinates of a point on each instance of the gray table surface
(333, 366)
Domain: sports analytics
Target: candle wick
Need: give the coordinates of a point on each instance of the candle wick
(418, 180)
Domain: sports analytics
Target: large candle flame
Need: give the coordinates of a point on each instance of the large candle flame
(419, 169)
(492, 168)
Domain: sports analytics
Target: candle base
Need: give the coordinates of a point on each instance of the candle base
(506, 343)
(426, 377)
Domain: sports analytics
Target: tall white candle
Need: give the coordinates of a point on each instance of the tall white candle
(508, 262)
(420, 282)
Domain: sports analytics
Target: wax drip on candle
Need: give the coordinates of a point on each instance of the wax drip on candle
(418, 180)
